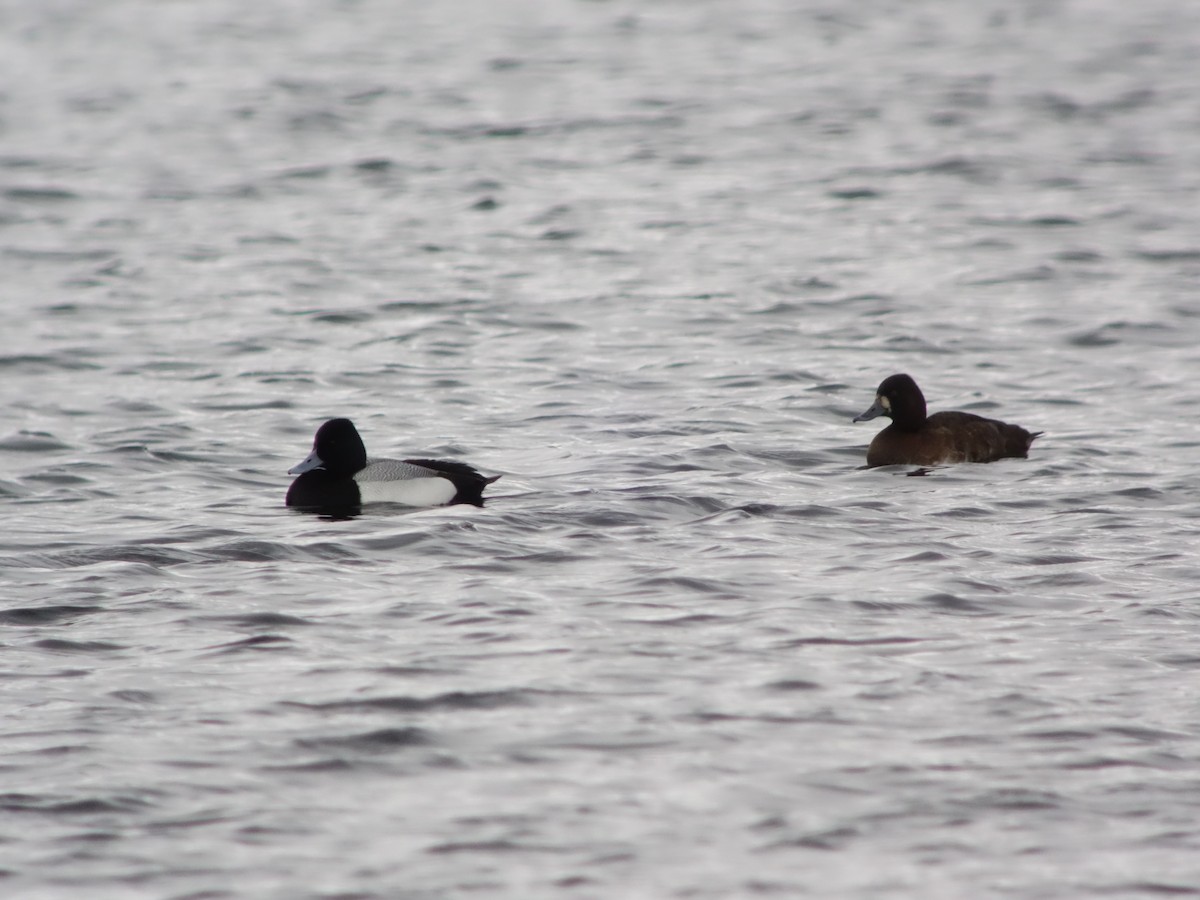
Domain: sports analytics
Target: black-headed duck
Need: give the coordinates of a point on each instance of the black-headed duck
(338, 475)
(945, 437)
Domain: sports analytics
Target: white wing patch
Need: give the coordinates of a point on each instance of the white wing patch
(394, 481)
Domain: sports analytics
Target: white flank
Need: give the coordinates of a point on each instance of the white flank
(394, 481)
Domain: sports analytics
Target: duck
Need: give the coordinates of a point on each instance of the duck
(913, 438)
(338, 474)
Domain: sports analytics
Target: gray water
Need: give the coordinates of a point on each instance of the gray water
(645, 261)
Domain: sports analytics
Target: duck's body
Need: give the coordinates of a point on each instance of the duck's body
(913, 438)
(338, 474)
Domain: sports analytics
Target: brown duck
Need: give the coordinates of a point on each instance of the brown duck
(915, 439)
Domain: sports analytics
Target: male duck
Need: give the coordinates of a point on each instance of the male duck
(945, 437)
(337, 474)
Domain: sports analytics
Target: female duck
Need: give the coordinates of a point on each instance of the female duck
(945, 437)
(337, 474)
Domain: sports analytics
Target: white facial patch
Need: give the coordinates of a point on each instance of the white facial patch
(884, 402)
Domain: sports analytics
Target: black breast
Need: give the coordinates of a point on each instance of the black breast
(321, 489)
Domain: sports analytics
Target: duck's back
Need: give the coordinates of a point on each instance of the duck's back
(950, 437)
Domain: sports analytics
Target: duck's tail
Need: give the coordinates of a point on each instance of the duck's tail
(468, 482)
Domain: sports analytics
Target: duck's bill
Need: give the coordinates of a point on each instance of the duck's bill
(875, 410)
(312, 461)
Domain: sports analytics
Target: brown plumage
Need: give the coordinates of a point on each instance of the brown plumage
(945, 437)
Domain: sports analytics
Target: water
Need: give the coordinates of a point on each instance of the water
(645, 260)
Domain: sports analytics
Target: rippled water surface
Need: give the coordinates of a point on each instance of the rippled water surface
(646, 261)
